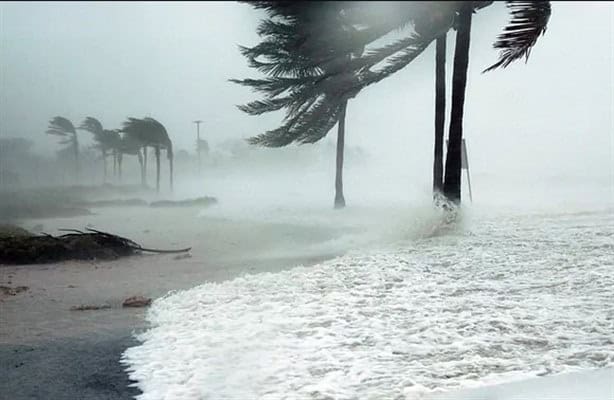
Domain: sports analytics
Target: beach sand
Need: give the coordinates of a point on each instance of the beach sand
(51, 352)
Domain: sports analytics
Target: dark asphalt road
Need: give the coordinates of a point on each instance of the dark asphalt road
(66, 369)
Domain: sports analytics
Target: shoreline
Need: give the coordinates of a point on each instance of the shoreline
(49, 351)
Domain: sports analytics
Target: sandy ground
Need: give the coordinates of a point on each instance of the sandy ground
(48, 351)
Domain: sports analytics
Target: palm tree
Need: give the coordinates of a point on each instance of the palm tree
(106, 140)
(431, 20)
(303, 46)
(149, 132)
(62, 127)
(440, 113)
(529, 21)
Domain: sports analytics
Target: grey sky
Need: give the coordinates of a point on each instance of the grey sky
(172, 62)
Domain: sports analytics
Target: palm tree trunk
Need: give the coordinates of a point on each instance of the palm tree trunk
(144, 165)
(440, 113)
(452, 183)
(170, 161)
(120, 157)
(140, 157)
(157, 168)
(339, 199)
(104, 165)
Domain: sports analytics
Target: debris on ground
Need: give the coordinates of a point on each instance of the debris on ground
(90, 307)
(6, 291)
(137, 301)
(74, 245)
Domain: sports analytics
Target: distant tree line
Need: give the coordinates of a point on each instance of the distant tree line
(134, 138)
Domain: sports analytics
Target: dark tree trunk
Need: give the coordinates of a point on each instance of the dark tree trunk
(339, 199)
(452, 183)
(440, 113)
(120, 157)
(145, 165)
(140, 157)
(157, 168)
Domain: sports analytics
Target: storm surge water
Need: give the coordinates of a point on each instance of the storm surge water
(500, 297)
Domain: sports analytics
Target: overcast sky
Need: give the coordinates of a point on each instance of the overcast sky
(173, 61)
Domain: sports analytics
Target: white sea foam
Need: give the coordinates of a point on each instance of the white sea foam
(504, 297)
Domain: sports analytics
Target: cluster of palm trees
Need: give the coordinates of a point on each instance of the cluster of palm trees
(315, 57)
(134, 138)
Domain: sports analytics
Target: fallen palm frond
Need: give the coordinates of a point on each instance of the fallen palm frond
(74, 245)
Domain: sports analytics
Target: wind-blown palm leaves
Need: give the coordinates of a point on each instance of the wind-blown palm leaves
(312, 81)
(107, 141)
(529, 19)
(62, 127)
(529, 22)
(149, 132)
(298, 75)
(303, 46)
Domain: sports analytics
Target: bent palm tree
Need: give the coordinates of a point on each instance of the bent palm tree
(529, 21)
(62, 127)
(149, 132)
(303, 46)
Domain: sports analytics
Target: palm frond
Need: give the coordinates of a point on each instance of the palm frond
(398, 61)
(310, 124)
(528, 23)
(146, 131)
(258, 107)
(375, 56)
(91, 125)
(61, 124)
(56, 132)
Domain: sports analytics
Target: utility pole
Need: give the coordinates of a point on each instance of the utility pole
(198, 122)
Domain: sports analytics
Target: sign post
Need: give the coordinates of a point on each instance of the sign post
(465, 166)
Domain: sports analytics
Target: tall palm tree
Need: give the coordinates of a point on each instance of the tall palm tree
(303, 46)
(149, 132)
(62, 127)
(529, 21)
(440, 113)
